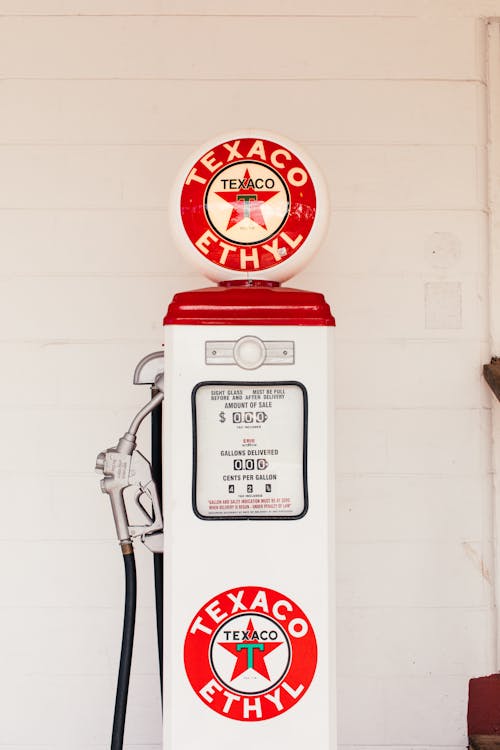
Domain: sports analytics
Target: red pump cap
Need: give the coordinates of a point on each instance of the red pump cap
(249, 303)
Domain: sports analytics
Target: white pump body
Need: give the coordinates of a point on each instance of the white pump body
(205, 557)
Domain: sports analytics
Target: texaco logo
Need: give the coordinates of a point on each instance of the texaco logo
(250, 654)
(248, 204)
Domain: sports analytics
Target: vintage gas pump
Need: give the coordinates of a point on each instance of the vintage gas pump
(248, 508)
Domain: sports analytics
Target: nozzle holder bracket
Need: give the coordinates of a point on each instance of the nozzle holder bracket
(148, 369)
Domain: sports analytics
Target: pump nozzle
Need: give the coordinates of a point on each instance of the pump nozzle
(123, 466)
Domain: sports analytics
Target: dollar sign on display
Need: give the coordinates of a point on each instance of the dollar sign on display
(222, 417)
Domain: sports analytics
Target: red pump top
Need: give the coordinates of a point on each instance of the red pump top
(249, 303)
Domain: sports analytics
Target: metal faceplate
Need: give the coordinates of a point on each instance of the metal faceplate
(249, 352)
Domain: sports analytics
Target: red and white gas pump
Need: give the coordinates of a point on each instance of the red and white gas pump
(249, 658)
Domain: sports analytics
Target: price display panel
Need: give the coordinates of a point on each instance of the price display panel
(250, 450)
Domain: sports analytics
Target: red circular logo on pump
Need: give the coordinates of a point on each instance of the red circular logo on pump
(250, 653)
(248, 204)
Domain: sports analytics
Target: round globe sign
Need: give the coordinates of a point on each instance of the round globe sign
(250, 653)
(250, 205)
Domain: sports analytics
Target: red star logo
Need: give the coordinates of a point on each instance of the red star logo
(250, 653)
(247, 202)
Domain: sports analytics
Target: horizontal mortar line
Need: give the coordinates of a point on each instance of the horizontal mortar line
(415, 340)
(360, 340)
(58, 275)
(422, 673)
(72, 408)
(58, 540)
(462, 539)
(388, 476)
(227, 81)
(149, 145)
(123, 411)
(50, 673)
(478, 347)
(156, 343)
(112, 542)
(173, 144)
(86, 341)
(345, 607)
(346, 209)
(84, 607)
(419, 408)
(9, 473)
(483, 475)
(384, 408)
(62, 340)
(102, 542)
(164, 209)
(56, 408)
(432, 277)
(358, 78)
(383, 541)
(485, 609)
(100, 746)
(52, 209)
(151, 607)
(26, 675)
(217, 16)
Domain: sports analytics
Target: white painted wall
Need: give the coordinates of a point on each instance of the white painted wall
(100, 102)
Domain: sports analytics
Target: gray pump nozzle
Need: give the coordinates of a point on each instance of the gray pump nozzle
(123, 466)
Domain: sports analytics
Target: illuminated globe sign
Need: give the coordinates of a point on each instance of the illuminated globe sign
(251, 205)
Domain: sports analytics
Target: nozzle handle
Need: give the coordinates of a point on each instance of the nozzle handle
(118, 508)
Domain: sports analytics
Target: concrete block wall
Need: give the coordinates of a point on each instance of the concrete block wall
(100, 102)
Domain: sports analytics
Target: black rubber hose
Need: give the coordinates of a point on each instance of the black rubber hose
(156, 469)
(127, 647)
(158, 571)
